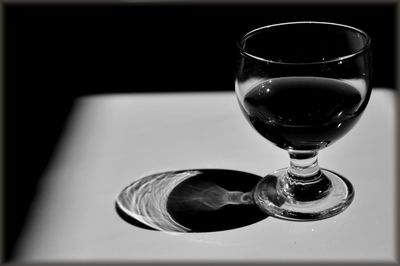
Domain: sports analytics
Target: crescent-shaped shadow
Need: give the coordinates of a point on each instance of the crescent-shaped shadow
(190, 201)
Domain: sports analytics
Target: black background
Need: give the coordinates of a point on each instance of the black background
(56, 53)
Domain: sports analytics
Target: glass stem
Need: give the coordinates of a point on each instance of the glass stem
(304, 180)
(304, 166)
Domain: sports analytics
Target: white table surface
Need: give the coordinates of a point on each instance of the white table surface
(112, 140)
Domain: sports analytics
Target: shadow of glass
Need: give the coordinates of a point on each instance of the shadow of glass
(196, 200)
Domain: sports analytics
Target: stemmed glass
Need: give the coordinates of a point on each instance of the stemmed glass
(303, 85)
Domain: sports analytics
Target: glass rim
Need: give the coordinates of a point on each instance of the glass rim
(246, 36)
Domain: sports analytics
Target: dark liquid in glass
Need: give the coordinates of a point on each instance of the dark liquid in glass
(303, 113)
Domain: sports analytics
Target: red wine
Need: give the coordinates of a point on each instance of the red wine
(303, 113)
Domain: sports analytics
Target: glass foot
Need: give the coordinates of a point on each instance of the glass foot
(283, 197)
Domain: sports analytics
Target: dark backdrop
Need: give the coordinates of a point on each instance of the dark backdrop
(54, 54)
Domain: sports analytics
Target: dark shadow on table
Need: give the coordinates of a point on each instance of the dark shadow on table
(195, 200)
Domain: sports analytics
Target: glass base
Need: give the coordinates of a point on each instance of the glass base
(282, 197)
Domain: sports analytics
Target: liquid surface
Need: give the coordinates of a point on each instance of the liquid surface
(303, 113)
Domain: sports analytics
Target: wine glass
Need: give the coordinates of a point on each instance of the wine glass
(302, 86)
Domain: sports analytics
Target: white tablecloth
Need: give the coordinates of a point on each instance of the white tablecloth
(112, 140)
